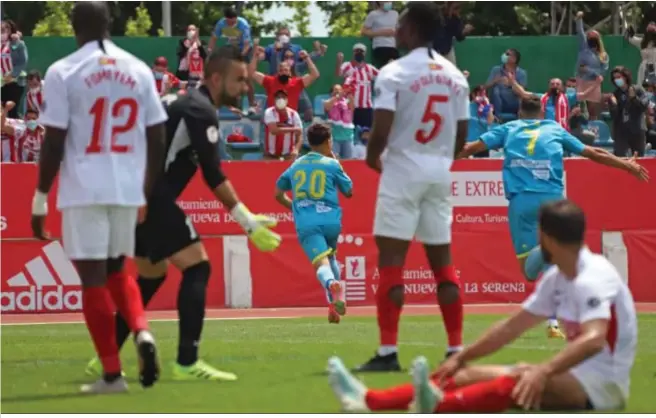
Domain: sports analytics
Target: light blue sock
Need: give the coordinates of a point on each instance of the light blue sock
(334, 266)
(326, 276)
(534, 264)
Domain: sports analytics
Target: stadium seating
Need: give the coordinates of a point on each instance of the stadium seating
(227, 114)
(252, 156)
(318, 105)
(601, 131)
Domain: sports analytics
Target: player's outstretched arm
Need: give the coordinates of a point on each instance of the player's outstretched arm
(472, 148)
(493, 139)
(601, 156)
(283, 199)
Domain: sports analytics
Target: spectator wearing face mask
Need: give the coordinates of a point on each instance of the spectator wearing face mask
(24, 136)
(578, 114)
(164, 80)
(504, 98)
(283, 80)
(452, 27)
(380, 26)
(628, 106)
(647, 47)
(34, 97)
(339, 109)
(284, 130)
(191, 57)
(13, 60)
(362, 76)
(592, 64)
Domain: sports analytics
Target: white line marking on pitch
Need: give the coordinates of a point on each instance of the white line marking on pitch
(153, 320)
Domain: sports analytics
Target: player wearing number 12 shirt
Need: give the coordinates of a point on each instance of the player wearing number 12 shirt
(421, 109)
(105, 127)
(167, 234)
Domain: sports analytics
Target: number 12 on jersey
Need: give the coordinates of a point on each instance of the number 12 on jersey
(126, 106)
(431, 116)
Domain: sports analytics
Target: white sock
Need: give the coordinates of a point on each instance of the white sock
(386, 350)
(552, 323)
(455, 349)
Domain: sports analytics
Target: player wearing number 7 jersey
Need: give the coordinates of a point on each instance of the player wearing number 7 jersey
(103, 118)
(533, 174)
(167, 234)
(421, 110)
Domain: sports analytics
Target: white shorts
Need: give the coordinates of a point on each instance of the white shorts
(99, 232)
(604, 394)
(413, 209)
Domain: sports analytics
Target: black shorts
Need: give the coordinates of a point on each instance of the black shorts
(165, 231)
(363, 117)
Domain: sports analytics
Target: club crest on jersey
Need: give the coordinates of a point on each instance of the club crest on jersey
(106, 61)
(212, 134)
(434, 67)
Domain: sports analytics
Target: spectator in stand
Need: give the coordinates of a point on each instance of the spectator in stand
(283, 80)
(628, 106)
(361, 76)
(380, 26)
(34, 97)
(485, 109)
(284, 130)
(237, 31)
(452, 28)
(164, 80)
(592, 64)
(13, 61)
(647, 46)
(339, 109)
(500, 83)
(578, 117)
(192, 53)
(283, 49)
(25, 136)
(650, 88)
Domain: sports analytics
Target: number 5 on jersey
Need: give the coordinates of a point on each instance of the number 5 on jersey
(126, 107)
(431, 116)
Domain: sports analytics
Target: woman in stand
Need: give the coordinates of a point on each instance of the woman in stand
(191, 57)
(647, 47)
(592, 64)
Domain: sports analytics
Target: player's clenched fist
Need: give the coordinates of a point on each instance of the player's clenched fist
(258, 228)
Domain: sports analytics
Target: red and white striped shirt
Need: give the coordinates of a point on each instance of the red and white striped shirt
(35, 99)
(168, 81)
(561, 108)
(5, 58)
(28, 143)
(361, 79)
(281, 144)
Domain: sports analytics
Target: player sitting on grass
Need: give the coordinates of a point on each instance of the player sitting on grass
(591, 372)
(533, 173)
(314, 180)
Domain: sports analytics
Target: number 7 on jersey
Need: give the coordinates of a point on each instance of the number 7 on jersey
(431, 115)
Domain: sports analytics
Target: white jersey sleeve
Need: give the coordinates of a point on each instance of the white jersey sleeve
(542, 301)
(269, 116)
(296, 119)
(594, 297)
(55, 111)
(385, 90)
(462, 105)
(155, 112)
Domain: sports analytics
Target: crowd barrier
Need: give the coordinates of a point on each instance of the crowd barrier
(37, 276)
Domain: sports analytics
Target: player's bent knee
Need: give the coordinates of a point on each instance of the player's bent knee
(197, 275)
(115, 265)
(447, 293)
(147, 270)
(189, 256)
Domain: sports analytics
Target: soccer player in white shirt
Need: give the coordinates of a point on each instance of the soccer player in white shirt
(421, 112)
(592, 371)
(105, 126)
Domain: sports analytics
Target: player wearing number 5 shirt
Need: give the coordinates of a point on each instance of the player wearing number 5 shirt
(105, 127)
(421, 109)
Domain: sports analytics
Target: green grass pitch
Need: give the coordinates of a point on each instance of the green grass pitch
(280, 364)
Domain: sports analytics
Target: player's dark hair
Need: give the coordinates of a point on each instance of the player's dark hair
(34, 74)
(220, 58)
(229, 13)
(90, 20)
(318, 133)
(518, 56)
(563, 220)
(530, 106)
(624, 72)
(425, 18)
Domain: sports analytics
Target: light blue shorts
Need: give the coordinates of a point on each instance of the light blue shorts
(319, 241)
(523, 212)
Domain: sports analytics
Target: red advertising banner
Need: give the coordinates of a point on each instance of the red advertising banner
(37, 277)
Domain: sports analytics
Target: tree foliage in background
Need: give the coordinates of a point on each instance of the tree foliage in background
(301, 17)
(140, 24)
(345, 18)
(56, 21)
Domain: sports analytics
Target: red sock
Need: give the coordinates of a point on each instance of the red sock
(99, 315)
(452, 314)
(387, 312)
(127, 297)
(394, 399)
(491, 396)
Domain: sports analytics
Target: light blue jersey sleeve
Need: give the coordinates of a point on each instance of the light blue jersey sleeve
(245, 28)
(344, 182)
(284, 182)
(495, 138)
(570, 143)
(219, 27)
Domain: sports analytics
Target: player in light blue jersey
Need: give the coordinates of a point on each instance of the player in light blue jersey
(533, 173)
(315, 181)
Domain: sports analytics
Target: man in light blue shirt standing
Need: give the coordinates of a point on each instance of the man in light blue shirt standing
(237, 31)
(502, 96)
